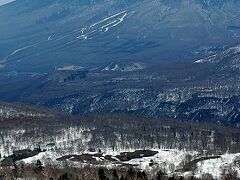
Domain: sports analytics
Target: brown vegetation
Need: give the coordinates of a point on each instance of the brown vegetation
(53, 172)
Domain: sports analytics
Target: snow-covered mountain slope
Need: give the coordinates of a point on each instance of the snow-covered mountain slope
(42, 35)
(124, 67)
(195, 91)
(227, 62)
(226, 55)
(8, 111)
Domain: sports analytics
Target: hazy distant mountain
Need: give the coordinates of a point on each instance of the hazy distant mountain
(39, 36)
(205, 90)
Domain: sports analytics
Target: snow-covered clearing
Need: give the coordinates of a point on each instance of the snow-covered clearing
(167, 160)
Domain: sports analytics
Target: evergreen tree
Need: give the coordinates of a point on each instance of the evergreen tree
(115, 175)
(160, 175)
(141, 175)
(144, 175)
(66, 176)
(101, 174)
(131, 174)
(15, 169)
(181, 178)
(39, 167)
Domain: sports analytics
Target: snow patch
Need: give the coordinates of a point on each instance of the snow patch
(70, 68)
(102, 26)
(124, 67)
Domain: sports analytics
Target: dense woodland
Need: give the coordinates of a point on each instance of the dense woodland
(201, 91)
(172, 90)
(50, 172)
(117, 132)
(65, 135)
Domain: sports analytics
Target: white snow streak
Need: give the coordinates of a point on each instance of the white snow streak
(110, 17)
(102, 26)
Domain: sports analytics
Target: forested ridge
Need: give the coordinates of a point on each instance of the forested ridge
(115, 131)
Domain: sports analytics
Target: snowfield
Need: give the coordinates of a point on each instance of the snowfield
(168, 160)
(214, 166)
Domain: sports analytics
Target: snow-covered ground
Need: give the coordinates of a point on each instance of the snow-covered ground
(167, 160)
(124, 67)
(102, 26)
(164, 159)
(215, 166)
(70, 68)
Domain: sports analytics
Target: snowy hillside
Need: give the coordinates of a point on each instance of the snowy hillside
(118, 140)
(124, 67)
(96, 33)
(14, 111)
(205, 91)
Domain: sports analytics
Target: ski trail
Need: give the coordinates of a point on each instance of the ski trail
(85, 36)
(50, 38)
(111, 21)
(110, 17)
(120, 21)
(4, 60)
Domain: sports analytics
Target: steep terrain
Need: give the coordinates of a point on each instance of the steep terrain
(205, 90)
(43, 35)
(148, 84)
